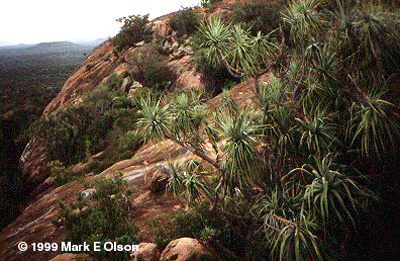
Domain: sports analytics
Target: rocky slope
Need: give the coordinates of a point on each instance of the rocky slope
(34, 224)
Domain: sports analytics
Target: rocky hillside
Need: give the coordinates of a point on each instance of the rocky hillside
(103, 62)
(35, 222)
(296, 161)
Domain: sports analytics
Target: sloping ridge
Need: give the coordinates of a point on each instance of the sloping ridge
(35, 223)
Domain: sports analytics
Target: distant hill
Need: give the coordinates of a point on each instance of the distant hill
(44, 48)
(89, 42)
(55, 47)
(5, 45)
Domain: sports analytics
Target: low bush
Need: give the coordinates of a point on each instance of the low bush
(132, 31)
(263, 17)
(214, 230)
(151, 68)
(184, 21)
(89, 66)
(78, 131)
(208, 3)
(123, 146)
(114, 81)
(103, 216)
(60, 173)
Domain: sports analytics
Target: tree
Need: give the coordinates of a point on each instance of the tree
(290, 159)
(132, 31)
(241, 53)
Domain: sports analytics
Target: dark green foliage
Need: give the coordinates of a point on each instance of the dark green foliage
(132, 31)
(14, 190)
(151, 68)
(184, 21)
(259, 17)
(114, 81)
(89, 66)
(122, 146)
(29, 80)
(78, 131)
(215, 77)
(60, 174)
(300, 156)
(163, 226)
(208, 3)
(375, 125)
(103, 216)
(214, 230)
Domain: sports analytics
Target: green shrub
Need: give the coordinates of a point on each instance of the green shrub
(123, 145)
(103, 216)
(132, 31)
(163, 228)
(151, 68)
(184, 21)
(78, 131)
(60, 174)
(210, 228)
(128, 141)
(114, 81)
(263, 17)
(208, 3)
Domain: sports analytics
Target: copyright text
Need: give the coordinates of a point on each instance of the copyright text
(84, 247)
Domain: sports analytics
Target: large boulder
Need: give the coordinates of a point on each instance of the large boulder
(186, 249)
(147, 252)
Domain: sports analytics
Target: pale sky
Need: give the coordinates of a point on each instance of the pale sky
(36, 21)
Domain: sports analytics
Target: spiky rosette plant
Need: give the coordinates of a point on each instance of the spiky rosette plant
(275, 157)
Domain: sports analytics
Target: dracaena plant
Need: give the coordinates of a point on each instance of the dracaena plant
(242, 159)
(374, 125)
(318, 131)
(240, 52)
(332, 195)
(314, 106)
(290, 228)
(305, 21)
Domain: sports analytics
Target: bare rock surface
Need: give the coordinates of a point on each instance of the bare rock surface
(35, 222)
(147, 252)
(186, 249)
